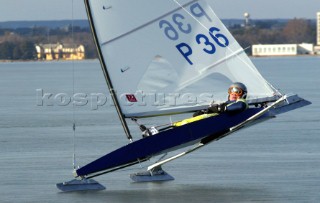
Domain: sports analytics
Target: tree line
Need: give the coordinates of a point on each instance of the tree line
(295, 31)
(19, 43)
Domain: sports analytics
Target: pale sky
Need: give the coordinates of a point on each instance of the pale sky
(12, 10)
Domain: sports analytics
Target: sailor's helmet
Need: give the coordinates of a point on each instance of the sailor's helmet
(238, 88)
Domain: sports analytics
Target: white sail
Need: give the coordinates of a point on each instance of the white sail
(168, 56)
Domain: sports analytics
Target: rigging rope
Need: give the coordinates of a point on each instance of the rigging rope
(73, 110)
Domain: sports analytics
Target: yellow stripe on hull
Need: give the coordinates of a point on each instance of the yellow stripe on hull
(193, 119)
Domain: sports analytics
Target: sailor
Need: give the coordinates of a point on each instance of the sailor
(236, 101)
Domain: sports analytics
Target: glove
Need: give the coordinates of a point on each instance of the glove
(222, 107)
(217, 108)
(198, 113)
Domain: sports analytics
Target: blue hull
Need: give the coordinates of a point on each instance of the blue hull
(204, 130)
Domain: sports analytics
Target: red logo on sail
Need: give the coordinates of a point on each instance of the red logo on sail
(131, 98)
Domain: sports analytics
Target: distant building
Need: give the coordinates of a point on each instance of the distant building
(317, 47)
(246, 19)
(60, 52)
(318, 28)
(281, 49)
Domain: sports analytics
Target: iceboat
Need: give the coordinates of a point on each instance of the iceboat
(168, 57)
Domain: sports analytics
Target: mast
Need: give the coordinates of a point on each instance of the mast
(106, 74)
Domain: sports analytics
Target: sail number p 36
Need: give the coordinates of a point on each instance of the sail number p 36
(179, 25)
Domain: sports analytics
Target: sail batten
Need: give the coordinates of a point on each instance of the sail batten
(147, 23)
(222, 60)
(205, 69)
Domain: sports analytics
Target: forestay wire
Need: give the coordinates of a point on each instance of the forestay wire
(73, 92)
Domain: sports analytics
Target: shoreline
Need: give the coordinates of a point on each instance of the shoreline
(47, 61)
(40, 61)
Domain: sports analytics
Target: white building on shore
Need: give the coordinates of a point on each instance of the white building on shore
(281, 49)
(318, 28)
(317, 47)
(60, 52)
(288, 49)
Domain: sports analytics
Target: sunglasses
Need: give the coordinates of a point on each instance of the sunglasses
(235, 90)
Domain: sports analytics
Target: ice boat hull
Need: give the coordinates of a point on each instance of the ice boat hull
(165, 141)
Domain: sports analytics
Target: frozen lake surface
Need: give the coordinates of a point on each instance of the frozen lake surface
(276, 161)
